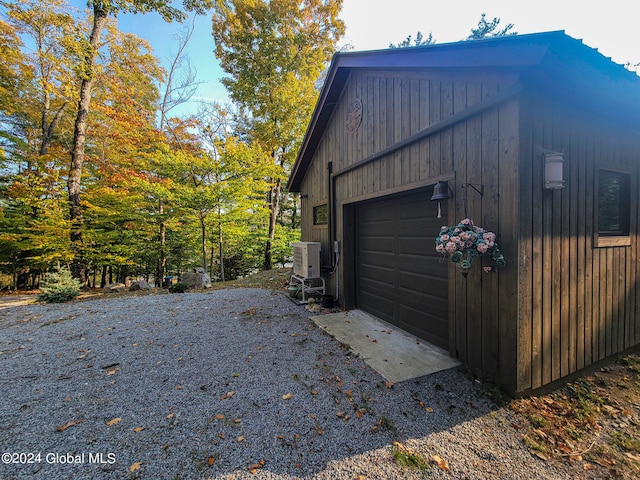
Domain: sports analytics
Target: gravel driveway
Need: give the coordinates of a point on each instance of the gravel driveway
(228, 384)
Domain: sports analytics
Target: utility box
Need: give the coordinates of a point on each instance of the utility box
(306, 259)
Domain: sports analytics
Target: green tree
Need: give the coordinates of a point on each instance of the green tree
(274, 52)
(102, 9)
(490, 29)
(417, 42)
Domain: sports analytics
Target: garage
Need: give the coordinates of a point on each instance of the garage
(399, 277)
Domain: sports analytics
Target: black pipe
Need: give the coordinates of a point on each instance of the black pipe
(331, 213)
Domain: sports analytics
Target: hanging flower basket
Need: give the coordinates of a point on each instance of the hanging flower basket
(465, 242)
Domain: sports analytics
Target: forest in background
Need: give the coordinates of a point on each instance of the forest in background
(136, 191)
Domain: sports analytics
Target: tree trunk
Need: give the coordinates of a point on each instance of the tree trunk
(220, 246)
(274, 207)
(78, 268)
(203, 227)
(162, 261)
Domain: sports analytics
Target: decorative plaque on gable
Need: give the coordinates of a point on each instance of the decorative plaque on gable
(354, 116)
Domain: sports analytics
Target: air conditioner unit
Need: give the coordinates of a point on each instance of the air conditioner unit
(306, 259)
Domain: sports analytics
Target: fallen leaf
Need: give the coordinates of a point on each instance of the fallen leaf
(319, 430)
(441, 462)
(287, 396)
(219, 416)
(240, 439)
(389, 385)
(135, 466)
(138, 429)
(253, 469)
(112, 371)
(211, 460)
(221, 435)
(227, 395)
(428, 409)
(314, 392)
(170, 416)
(69, 424)
(178, 387)
(341, 414)
(114, 421)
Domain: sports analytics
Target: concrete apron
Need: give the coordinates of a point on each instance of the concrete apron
(392, 352)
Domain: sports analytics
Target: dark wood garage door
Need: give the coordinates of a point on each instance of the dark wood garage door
(399, 276)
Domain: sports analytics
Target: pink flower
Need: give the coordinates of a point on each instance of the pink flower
(444, 238)
(451, 247)
(489, 236)
(440, 248)
(466, 221)
(444, 228)
(482, 247)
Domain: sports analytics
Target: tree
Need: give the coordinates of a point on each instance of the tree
(274, 52)
(101, 10)
(419, 41)
(489, 29)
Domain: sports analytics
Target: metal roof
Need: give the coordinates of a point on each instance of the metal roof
(551, 57)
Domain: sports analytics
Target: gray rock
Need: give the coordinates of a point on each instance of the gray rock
(139, 285)
(114, 288)
(196, 279)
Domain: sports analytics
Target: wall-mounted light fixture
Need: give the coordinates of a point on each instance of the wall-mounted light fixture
(441, 191)
(553, 175)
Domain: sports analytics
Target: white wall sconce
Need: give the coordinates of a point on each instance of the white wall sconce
(553, 171)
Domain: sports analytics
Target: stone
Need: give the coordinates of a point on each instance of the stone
(139, 285)
(196, 279)
(114, 288)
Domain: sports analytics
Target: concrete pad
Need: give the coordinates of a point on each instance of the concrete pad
(392, 352)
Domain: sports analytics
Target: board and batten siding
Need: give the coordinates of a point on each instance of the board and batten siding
(480, 149)
(577, 302)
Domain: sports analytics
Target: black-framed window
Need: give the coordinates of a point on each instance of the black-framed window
(614, 203)
(320, 214)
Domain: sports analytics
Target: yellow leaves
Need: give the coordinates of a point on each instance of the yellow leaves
(138, 429)
(114, 421)
(287, 396)
(442, 463)
(112, 371)
(227, 395)
(253, 469)
(135, 467)
(219, 417)
(72, 423)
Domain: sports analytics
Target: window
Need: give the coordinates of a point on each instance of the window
(613, 207)
(320, 214)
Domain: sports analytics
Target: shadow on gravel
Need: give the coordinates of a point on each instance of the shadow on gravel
(224, 384)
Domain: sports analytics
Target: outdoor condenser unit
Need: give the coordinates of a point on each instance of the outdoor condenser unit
(306, 259)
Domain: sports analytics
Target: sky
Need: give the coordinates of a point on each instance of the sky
(610, 26)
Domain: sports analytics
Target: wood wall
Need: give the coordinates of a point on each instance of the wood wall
(577, 302)
(560, 304)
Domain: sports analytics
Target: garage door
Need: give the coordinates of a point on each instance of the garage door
(399, 276)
